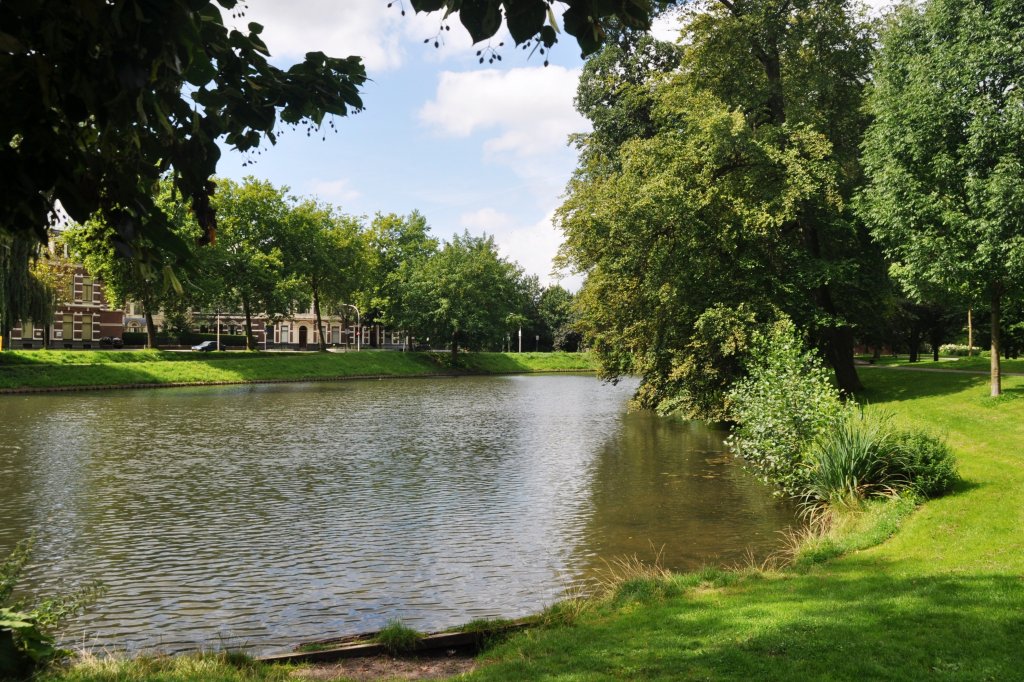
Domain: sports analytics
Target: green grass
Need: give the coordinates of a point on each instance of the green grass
(895, 593)
(398, 638)
(51, 369)
(970, 364)
(943, 598)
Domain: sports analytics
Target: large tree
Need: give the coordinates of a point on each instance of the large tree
(944, 155)
(396, 247)
(465, 293)
(322, 249)
(252, 221)
(101, 98)
(733, 192)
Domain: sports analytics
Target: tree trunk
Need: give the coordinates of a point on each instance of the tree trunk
(455, 348)
(970, 334)
(319, 321)
(915, 344)
(250, 340)
(150, 329)
(997, 387)
(876, 354)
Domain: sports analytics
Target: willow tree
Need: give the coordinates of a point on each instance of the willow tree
(944, 155)
(734, 192)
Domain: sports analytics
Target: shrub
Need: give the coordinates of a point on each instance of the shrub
(851, 461)
(781, 407)
(925, 462)
(958, 350)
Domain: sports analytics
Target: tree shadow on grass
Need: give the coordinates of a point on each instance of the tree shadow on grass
(884, 386)
(854, 620)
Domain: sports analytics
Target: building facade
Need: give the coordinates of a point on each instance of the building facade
(82, 321)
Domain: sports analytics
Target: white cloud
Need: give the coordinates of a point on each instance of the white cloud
(336, 190)
(530, 110)
(532, 246)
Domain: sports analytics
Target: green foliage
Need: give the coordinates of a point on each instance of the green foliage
(782, 407)
(924, 461)
(248, 256)
(26, 639)
(720, 183)
(714, 358)
(398, 638)
(114, 94)
(944, 164)
(465, 294)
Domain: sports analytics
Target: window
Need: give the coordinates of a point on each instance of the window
(27, 331)
(284, 334)
(87, 289)
(366, 336)
(86, 327)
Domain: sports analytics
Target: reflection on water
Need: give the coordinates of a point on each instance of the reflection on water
(262, 515)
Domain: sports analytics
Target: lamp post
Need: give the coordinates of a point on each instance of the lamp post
(520, 339)
(359, 326)
(218, 330)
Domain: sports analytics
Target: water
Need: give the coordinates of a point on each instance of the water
(259, 516)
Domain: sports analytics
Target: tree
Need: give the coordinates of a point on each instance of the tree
(396, 246)
(556, 311)
(733, 192)
(323, 250)
(150, 282)
(55, 272)
(943, 156)
(23, 294)
(252, 218)
(104, 98)
(465, 292)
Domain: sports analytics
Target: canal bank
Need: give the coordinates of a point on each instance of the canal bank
(43, 371)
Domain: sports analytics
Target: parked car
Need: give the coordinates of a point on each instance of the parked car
(117, 342)
(208, 346)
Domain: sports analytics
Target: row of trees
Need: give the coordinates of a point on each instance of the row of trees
(772, 163)
(276, 254)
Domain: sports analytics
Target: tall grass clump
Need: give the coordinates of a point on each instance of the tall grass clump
(851, 461)
(398, 638)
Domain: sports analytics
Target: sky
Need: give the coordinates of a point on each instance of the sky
(477, 147)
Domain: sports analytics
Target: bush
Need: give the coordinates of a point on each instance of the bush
(785, 403)
(924, 462)
(958, 350)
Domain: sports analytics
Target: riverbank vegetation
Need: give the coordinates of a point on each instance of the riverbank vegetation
(109, 369)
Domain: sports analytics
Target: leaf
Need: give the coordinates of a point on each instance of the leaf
(482, 18)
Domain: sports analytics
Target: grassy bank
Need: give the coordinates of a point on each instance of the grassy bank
(57, 369)
(942, 599)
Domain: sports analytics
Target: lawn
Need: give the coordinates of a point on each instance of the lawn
(942, 598)
(54, 369)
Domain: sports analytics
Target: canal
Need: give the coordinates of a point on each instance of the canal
(258, 516)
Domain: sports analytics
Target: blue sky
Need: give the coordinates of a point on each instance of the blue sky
(471, 146)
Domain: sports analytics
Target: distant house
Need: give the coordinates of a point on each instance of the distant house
(80, 322)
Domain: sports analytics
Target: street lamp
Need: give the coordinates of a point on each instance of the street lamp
(520, 339)
(359, 326)
(218, 330)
